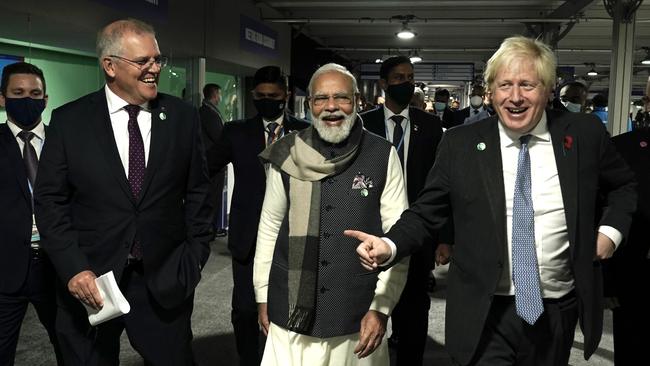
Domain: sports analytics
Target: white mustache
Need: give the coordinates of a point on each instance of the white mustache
(337, 114)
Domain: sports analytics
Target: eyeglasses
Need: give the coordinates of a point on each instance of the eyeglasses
(144, 63)
(339, 99)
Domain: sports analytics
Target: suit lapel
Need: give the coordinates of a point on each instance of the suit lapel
(414, 128)
(106, 140)
(156, 144)
(565, 148)
(16, 159)
(375, 122)
(256, 132)
(491, 168)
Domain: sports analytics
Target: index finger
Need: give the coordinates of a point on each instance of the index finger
(359, 235)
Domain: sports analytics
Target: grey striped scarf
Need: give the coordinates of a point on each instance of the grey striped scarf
(297, 155)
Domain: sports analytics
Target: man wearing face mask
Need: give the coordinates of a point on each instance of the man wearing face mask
(240, 144)
(442, 110)
(26, 275)
(475, 105)
(415, 134)
(573, 96)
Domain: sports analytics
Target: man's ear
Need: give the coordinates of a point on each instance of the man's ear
(2, 100)
(288, 96)
(109, 66)
(46, 98)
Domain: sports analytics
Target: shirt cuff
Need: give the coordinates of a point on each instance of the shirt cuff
(612, 233)
(393, 249)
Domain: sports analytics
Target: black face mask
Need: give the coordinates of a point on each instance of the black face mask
(25, 112)
(401, 93)
(269, 109)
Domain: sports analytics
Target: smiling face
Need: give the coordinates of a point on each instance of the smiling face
(518, 95)
(333, 106)
(134, 84)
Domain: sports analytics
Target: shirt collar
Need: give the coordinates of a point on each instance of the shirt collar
(479, 109)
(39, 130)
(116, 103)
(278, 120)
(388, 114)
(540, 132)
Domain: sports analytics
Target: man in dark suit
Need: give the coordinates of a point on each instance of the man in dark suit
(630, 266)
(123, 187)
(212, 126)
(441, 108)
(521, 188)
(240, 144)
(26, 275)
(415, 134)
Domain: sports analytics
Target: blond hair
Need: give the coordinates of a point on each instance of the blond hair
(515, 47)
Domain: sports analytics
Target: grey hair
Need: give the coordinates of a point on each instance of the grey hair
(109, 38)
(332, 67)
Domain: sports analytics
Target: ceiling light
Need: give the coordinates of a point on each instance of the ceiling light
(405, 32)
(378, 61)
(592, 71)
(415, 57)
(646, 60)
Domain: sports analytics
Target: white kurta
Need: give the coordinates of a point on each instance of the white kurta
(286, 348)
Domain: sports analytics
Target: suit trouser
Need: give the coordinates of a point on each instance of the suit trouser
(244, 312)
(37, 290)
(217, 189)
(410, 317)
(160, 336)
(632, 318)
(509, 340)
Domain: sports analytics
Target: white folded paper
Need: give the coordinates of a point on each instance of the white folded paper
(114, 302)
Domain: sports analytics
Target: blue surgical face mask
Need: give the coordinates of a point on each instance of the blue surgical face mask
(25, 112)
(440, 106)
(572, 107)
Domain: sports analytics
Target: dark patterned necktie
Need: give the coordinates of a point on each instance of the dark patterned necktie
(136, 164)
(270, 128)
(398, 135)
(29, 155)
(525, 274)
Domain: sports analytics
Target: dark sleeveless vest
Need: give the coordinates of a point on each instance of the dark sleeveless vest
(344, 288)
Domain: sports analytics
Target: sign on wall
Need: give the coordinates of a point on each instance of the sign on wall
(257, 38)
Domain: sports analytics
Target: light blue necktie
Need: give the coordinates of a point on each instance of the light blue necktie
(525, 275)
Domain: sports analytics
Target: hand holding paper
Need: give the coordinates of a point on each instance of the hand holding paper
(114, 302)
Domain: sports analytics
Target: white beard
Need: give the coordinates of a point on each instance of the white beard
(334, 134)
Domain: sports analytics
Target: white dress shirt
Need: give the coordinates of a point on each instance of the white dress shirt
(119, 122)
(551, 234)
(389, 125)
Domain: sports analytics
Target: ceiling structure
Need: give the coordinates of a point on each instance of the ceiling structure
(466, 31)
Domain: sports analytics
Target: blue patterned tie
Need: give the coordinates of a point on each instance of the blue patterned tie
(525, 275)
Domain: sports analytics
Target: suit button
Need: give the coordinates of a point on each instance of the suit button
(326, 235)
(323, 290)
(500, 264)
(331, 180)
(329, 208)
(324, 263)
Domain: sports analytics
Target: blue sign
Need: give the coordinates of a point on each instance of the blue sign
(7, 60)
(257, 37)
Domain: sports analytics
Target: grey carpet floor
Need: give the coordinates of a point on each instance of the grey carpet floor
(214, 343)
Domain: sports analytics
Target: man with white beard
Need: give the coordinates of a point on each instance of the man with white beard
(316, 303)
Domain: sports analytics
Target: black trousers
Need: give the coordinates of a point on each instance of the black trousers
(508, 340)
(39, 291)
(410, 317)
(632, 317)
(217, 190)
(160, 336)
(244, 313)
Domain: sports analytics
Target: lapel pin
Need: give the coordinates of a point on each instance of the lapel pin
(162, 116)
(480, 146)
(643, 144)
(364, 192)
(415, 128)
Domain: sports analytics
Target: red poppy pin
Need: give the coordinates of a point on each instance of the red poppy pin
(643, 144)
(568, 142)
